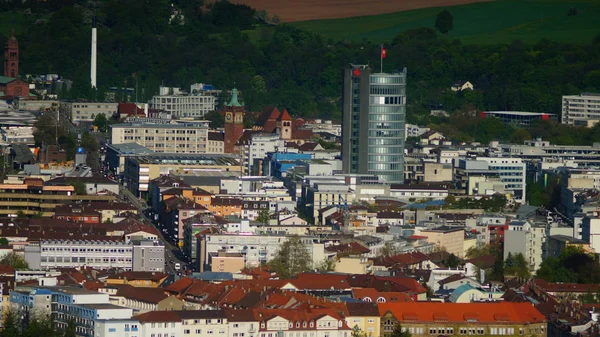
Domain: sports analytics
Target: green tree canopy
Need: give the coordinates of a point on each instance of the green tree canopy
(292, 258)
(444, 22)
(14, 260)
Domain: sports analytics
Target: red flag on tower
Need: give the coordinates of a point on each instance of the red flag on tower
(383, 52)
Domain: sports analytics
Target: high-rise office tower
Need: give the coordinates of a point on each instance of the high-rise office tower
(374, 114)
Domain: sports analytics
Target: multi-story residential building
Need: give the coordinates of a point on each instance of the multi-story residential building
(94, 251)
(92, 311)
(148, 255)
(581, 110)
(216, 142)
(526, 238)
(17, 135)
(486, 318)
(256, 249)
(87, 111)
(364, 316)
(193, 323)
(195, 105)
(317, 322)
(510, 172)
(226, 262)
(590, 232)
(165, 138)
(139, 171)
(32, 198)
(374, 113)
(450, 238)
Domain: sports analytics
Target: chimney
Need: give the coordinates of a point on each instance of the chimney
(94, 52)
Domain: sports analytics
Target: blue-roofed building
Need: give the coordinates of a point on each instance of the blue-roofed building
(467, 293)
(279, 162)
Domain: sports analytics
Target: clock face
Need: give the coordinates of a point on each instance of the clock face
(228, 116)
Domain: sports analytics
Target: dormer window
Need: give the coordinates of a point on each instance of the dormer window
(297, 324)
(304, 325)
(262, 325)
(312, 324)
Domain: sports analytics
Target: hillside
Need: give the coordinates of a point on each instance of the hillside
(300, 10)
(481, 23)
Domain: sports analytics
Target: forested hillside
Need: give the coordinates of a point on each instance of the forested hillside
(232, 45)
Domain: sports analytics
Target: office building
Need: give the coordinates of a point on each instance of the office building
(488, 176)
(520, 119)
(140, 170)
(581, 110)
(166, 138)
(179, 105)
(373, 126)
(87, 111)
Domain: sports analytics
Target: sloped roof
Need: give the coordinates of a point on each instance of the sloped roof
(481, 312)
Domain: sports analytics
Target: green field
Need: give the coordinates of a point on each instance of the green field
(499, 21)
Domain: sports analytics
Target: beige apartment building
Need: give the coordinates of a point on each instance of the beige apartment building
(226, 262)
(87, 111)
(168, 138)
(452, 239)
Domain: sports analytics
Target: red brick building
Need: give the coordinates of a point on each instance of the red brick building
(10, 84)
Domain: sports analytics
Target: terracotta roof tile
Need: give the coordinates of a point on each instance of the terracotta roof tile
(483, 313)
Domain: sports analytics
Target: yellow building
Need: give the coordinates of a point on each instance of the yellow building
(364, 317)
(226, 262)
(138, 278)
(479, 318)
(452, 239)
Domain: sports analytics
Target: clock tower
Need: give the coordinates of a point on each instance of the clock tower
(234, 122)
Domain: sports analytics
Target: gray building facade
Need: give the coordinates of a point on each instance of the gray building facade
(373, 123)
(148, 255)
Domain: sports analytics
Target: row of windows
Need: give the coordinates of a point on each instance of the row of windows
(387, 125)
(398, 79)
(83, 250)
(388, 159)
(390, 117)
(388, 90)
(387, 100)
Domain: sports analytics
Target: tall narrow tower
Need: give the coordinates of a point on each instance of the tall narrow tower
(94, 52)
(11, 56)
(374, 113)
(234, 122)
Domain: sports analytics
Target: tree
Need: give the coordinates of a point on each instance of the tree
(389, 249)
(89, 143)
(517, 265)
(292, 258)
(14, 260)
(263, 216)
(80, 188)
(400, 332)
(326, 265)
(216, 119)
(444, 22)
(453, 261)
(10, 324)
(101, 122)
(4, 242)
(357, 332)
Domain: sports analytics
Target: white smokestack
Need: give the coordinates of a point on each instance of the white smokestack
(94, 53)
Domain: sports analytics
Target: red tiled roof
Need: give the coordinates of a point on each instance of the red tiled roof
(140, 275)
(483, 313)
(320, 281)
(181, 285)
(565, 287)
(372, 295)
(6, 270)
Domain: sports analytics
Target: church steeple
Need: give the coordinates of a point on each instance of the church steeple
(11, 56)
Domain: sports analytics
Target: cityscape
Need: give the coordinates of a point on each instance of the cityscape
(334, 188)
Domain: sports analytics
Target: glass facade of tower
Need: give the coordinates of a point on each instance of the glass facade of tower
(374, 113)
(387, 115)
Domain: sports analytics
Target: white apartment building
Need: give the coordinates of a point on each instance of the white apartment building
(260, 145)
(164, 138)
(411, 130)
(542, 150)
(581, 110)
(184, 105)
(528, 239)
(17, 135)
(256, 249)
(590, 232)
(87, 111)
(91, 310)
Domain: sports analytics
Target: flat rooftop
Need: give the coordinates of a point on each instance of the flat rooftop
(134, 125)
(188, 159)
(130, 148)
